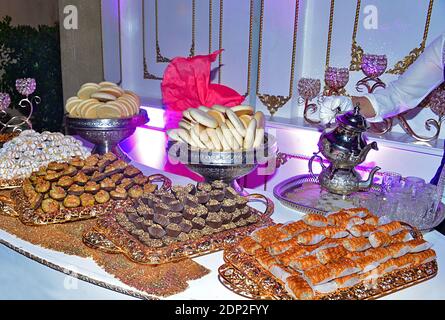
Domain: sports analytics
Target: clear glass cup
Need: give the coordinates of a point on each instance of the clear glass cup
(390, 180)
(416, 184)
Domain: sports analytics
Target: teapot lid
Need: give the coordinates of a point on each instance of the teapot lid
(353, 120)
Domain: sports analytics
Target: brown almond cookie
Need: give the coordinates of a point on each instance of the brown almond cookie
(161, 208)
(98, 176)
(140, 179)
(27, 187)
(241, 202)
(173, 230)
(161, 220)
(41, 172)
(102, 164)
(120, 165)
(70, 171)
(91, 160)
(117, 177)
(126, 183)
(135, 192)
(119, 194)
(198, 223)
(226, 217)
(88, 170)
(87, 200)
(77, 162)
(217, 195)
(65, 182)
(156, 232)
(246, 212)
(231, 193)
(131, 171)
(71, 201)
(176, 206)
(80, 178)
(186, 226)
(107, 184)
(52, 176)
(56, 166)
(150, 188)
(213, 205)
(146, 212)
(110, 156)
(57, 193)
(76, 190)
(204, 186)
(175, 217)
(35, 200)
(102, 197)
(183, 237)
(50, 205)
(190, 188)
(191, 200)
(177, 189)
(42, 186)
(219, 184)
(202, 196)
(92, 187)
(214, 220)
(228, 205)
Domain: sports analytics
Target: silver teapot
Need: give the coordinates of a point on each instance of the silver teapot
(344, 147)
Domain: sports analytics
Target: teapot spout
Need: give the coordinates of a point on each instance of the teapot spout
(364, 185)
(366, 149)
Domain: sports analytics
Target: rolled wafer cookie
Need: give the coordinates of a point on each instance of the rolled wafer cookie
(259, 138)
(237, 124)
(214, 137)
(222, 139)
(203, 118)
(235, 133)
(250, 135)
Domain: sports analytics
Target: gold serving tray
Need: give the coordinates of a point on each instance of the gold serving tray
(30, 217)
(244, 276)
(110, 237)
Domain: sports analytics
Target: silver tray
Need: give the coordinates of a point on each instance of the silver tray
(303, 193)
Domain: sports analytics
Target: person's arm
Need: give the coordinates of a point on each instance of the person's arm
(423, 76)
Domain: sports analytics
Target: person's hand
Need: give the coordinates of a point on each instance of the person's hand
(332, 105)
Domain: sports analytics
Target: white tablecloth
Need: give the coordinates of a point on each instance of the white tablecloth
(23, 278)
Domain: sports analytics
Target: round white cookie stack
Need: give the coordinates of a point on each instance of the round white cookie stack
(221, 128)
(31, 150)
(105, 100)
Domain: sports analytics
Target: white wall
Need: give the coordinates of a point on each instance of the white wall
(400, 29)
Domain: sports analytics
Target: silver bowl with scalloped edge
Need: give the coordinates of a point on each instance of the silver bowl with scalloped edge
(227, 166)
(106, 134)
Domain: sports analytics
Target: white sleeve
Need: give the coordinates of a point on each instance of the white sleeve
(423, 76)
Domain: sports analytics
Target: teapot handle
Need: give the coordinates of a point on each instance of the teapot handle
(311, 160)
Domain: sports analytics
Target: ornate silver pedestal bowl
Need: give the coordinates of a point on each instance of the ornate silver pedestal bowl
(106, 134)
(224, 165)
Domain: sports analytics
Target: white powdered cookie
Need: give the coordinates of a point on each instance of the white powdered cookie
(260, 120)
(203, 118)
(104, 97)
(250, 135)
(237, 124)
(241, 110)
(225, 145)
(259, 138)
(214, 138)
(218, 116)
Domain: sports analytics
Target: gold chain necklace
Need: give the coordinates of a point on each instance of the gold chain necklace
(275, 102)
(159, 57)
(401, 66)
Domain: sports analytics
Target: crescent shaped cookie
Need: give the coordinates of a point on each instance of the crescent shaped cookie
(174, 135)
(203, 118)
(222, 139)
(235, 134)
(259, 138)
(236, 122)
(260, 120)
(231, 140)
(217, 115)
(220, 108)
(214, 137)
(245, 119)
